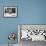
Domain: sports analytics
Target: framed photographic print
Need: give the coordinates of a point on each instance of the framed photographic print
(32, 32)
(10, 11)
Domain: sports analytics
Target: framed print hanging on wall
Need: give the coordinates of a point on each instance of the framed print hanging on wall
(10, 11)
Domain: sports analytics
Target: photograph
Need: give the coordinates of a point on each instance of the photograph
(32, 32)
(10, 11)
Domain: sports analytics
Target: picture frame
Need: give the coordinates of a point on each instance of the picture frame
(10, 11)
(34, 30)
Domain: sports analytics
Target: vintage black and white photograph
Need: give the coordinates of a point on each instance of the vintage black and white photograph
(10, 11)
(33, 32)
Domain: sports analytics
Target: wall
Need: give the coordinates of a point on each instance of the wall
(7, 25)
(29, 12)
